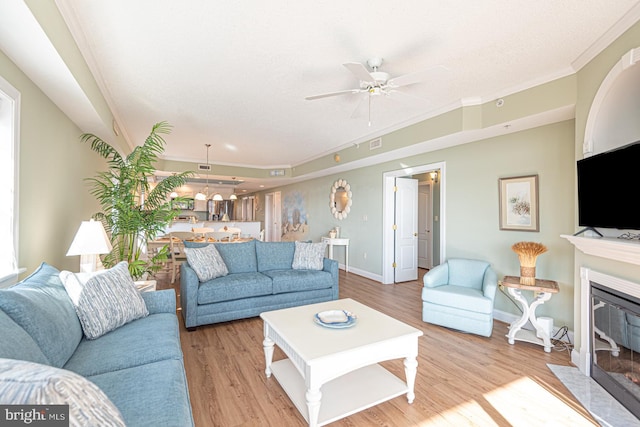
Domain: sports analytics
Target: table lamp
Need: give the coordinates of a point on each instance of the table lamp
(90, 241)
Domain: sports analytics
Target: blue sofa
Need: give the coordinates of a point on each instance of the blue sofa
(139, 366)
(261, 278)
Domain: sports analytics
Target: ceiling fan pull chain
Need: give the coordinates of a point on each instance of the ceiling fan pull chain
(369, 109)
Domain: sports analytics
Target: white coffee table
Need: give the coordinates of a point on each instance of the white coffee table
(333, 373)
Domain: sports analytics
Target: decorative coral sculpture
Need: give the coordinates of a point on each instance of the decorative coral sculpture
(527, 254)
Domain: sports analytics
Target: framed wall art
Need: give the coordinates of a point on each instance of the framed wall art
(519, 203)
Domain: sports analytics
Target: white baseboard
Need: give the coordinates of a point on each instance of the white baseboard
(502, 316)
(509, 318)
(363, 273)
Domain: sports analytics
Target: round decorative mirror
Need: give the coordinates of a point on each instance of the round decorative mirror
(340, 199)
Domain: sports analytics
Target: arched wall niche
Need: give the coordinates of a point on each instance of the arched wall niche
(614, 117)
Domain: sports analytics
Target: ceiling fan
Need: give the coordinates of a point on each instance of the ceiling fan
(377, 83)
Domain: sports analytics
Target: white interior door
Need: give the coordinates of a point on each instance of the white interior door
(425, 215)
(272, 217)
(406, 233)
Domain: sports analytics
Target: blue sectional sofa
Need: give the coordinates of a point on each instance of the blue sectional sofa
(261, 278)
(139, 366)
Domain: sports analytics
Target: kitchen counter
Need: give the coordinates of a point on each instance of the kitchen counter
(249, 228)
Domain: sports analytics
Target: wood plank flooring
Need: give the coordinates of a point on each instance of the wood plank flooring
(462, 379)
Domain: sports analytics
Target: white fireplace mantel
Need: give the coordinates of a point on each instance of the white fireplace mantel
(607, 247)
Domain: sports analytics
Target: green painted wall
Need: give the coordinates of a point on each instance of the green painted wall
(53, 198)
(589, 79)
(471, 186)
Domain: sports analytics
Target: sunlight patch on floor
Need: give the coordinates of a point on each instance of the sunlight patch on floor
(523, 401)
(466, 414)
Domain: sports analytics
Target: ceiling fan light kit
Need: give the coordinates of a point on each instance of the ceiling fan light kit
(376, 83)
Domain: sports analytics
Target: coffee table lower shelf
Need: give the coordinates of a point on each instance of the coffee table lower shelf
(343, 396)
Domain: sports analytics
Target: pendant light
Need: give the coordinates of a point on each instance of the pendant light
(174, 194)
(199, 195)
(233, 195)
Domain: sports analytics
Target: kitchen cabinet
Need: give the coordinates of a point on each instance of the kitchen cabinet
(200, 205)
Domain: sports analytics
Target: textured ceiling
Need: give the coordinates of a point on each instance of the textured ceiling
(235, 74)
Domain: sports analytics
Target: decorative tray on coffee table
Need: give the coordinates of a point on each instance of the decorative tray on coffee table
(335, 319)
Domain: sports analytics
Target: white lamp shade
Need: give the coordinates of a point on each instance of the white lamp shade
(233, 197)
(225, 217)
(91, 239)
(217, 197)
(201, 196)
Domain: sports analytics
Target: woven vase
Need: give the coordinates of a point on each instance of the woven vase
(527, 255)
(528, 274)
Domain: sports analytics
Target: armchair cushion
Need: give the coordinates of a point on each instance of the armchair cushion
(460, 297)
(468, 273)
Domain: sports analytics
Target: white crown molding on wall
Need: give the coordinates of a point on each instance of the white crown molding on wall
(627, 21)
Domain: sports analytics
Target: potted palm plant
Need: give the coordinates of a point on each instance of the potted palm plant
(133, 210)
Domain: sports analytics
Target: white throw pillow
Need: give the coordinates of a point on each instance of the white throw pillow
(104, 300)
(28, 383)
(206, 262)
(309, 256)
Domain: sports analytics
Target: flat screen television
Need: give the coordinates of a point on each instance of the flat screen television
(608, 189)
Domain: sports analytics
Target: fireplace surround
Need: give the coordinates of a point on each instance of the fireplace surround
(582, 355)
(615, 344)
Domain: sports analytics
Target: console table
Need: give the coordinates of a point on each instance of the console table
(331, 242)
(543, 290)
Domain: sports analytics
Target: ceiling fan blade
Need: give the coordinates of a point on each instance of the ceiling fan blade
(361, 109)
(326, 95)
(417, 77)
(360, 71)
(407, 98)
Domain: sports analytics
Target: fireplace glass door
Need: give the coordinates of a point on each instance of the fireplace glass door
(615, 352)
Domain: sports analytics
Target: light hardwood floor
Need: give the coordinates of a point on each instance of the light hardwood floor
(463, 379)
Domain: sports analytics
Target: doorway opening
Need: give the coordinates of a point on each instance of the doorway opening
(392, 212)
(272, 217)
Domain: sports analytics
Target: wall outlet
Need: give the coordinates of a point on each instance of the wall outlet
(364, 255)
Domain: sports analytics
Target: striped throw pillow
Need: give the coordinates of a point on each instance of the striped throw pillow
(206, 262)
(28, 383)
(309, 256)
(104, 300)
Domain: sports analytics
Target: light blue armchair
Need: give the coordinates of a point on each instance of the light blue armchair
(459, 294)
